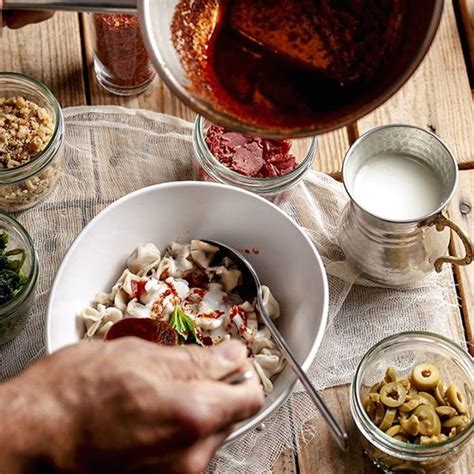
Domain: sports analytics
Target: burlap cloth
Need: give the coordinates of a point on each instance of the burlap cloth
(112, 151)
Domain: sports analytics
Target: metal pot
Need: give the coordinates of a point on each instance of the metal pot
(422, 19)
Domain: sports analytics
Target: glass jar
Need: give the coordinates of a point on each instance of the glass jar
(24, 186)
(14, 313)
(404, 351)
(121, 62)
(206, 167)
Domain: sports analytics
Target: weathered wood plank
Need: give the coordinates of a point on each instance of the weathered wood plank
(462, 212)
(49, 51)
(331, 149)
(437, 96)
(286, 463)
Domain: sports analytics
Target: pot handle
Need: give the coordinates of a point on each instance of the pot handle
(72, 5)
(441, 221)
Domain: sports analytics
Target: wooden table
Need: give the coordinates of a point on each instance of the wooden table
(439, 97)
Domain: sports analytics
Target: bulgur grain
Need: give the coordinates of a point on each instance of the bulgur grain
(25, 130)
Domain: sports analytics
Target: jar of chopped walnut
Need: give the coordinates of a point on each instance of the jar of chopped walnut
(31, 141)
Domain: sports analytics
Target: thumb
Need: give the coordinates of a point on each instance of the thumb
(215, 362)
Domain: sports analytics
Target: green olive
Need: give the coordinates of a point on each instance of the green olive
(393, 394)
(394, 430)
(411, 425)
(425, 376)
(439, 393)
(431, 400)
(412, 391)
(455, 398)
(446, 412)
(457, 421)
(406, 383)
(375, 397)
(369, 407)
(452, 432)
(379, 414)
(409, 405)
(390, 375)
(388, 419)
(426, 440)
(430, 424)
(376, 387)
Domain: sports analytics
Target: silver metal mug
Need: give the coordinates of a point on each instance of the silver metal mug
(400, 253)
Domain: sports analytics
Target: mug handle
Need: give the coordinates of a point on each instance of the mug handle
(441, 221)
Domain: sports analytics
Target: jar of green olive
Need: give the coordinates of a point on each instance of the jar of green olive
(18, 277)
(407, 392)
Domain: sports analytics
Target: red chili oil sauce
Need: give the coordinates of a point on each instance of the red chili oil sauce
(287, 62)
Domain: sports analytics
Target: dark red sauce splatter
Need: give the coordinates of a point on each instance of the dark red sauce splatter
(207, 341)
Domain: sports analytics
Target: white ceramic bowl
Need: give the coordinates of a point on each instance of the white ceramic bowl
(287, 262)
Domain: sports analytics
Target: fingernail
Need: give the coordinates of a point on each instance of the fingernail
(230, 350)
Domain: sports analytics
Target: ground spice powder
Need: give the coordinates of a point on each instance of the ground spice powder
(120, 49)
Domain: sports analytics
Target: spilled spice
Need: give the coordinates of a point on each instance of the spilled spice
(120, 49)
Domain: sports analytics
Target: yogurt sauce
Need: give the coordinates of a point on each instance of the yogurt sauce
(397, 187)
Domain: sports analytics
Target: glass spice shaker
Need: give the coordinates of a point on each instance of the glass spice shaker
(121, 61)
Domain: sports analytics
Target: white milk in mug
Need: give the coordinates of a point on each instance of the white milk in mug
(395, 186)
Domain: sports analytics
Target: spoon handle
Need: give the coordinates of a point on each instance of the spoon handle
(336, 430)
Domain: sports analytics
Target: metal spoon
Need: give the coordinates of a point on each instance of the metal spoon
(256, 288)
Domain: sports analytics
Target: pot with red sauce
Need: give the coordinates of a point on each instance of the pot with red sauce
(270, 168)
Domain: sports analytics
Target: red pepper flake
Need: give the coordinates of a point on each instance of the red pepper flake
(120, 49)
(214, 314)
(238, 311)
(138, 288)
(195, 296)
(172, 289)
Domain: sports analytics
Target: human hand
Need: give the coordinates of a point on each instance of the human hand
(17, 19)
(124, 406)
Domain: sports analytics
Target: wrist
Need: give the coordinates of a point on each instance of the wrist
(32, 429)
(19, 449)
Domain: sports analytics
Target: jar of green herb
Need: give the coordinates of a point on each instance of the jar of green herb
(18, 277)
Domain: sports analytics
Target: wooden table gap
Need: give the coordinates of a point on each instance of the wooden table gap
(464, 10)
(85, 60)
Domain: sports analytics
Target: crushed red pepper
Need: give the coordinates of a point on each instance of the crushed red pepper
(120, 48)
